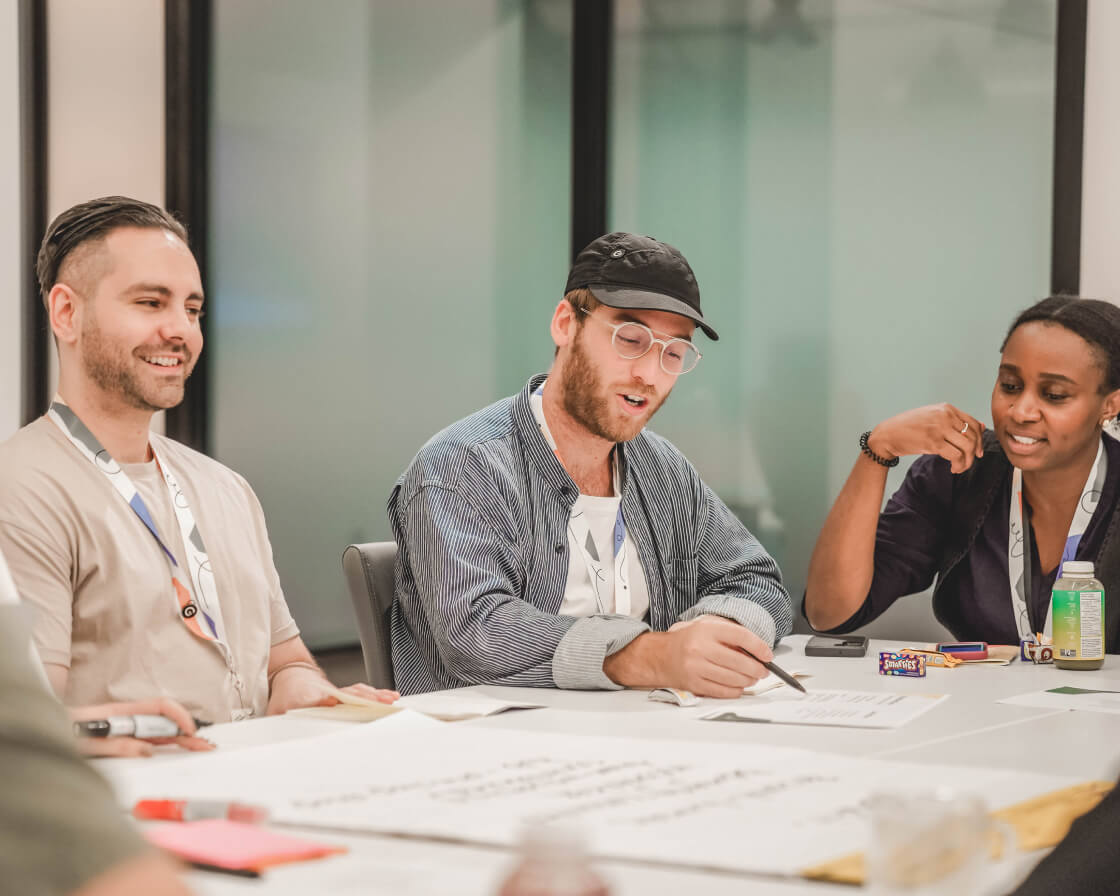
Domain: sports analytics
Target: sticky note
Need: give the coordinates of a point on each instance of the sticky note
(234, 845)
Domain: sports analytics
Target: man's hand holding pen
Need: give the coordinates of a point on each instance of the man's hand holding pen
(710, 656)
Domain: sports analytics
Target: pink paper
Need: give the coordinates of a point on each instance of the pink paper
(232, 844)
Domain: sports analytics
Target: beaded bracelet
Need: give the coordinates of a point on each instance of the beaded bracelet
(881, 461)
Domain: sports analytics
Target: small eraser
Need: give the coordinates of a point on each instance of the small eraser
(675, 696)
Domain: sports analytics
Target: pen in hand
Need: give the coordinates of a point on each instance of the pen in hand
(779, 671)
(140, 725)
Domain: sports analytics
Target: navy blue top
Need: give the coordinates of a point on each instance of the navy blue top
(910, 541)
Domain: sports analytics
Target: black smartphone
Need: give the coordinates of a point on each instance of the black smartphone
(836, 645)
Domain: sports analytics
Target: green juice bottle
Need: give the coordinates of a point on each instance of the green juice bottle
(1078, 623)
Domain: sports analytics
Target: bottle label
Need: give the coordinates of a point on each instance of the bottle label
(1078, 625)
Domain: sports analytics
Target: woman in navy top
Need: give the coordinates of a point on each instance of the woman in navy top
(1045, 468)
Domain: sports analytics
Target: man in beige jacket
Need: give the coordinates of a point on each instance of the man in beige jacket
(147, 564)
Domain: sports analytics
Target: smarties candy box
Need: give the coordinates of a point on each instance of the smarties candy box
(901, 664)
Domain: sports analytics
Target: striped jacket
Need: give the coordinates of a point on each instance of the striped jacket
(481, 516)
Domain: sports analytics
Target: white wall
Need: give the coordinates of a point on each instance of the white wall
(11, 252)
(1100, 206)
(105, 133)
(105, 127)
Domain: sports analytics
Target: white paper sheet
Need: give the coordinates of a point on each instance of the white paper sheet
(1088, 695)
(738, 807)
(844, 709)
(250, 733)
(678, 697)
(771, 681)
(452, 707)
(245, 736)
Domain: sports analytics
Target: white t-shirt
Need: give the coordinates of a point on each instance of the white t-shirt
(582, 595)
(8, 593)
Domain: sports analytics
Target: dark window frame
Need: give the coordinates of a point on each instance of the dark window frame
(188, 40)
(592, 41)
(1069, 146)
(35, 357)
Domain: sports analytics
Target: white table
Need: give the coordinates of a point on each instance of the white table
(971, 728)
(968, 729)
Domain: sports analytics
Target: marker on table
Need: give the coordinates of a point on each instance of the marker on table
(196, 810)
(221, 869)
(779, 671)
(141, 726)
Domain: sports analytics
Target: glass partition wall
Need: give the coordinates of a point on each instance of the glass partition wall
(863, 189)
(390, 185)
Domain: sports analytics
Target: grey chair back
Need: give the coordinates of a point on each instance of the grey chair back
(369, 573)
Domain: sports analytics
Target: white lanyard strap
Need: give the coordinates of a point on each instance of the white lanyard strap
(580, 531)
(1018, 533)
(201, 600)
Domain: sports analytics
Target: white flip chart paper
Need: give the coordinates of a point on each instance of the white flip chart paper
(741, 807)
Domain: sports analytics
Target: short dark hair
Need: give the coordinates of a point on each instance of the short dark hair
(91, 221)
(582, 299)
(1094, 320)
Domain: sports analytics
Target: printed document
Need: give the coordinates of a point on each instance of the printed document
(845, 709)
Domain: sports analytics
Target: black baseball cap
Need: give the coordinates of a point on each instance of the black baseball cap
(624, 270)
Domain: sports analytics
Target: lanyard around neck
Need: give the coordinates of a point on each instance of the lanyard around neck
(1018, 535)
(619, 601)
(196, 593)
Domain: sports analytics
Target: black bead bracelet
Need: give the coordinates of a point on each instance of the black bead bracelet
(881, 461)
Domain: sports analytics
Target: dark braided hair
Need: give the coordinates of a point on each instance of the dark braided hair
(1095, 321)
(91, 221)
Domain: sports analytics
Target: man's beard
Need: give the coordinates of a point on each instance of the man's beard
(110, 368)
(582, 397)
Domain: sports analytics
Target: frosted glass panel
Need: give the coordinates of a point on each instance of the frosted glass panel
(389, 234)
(863, 189)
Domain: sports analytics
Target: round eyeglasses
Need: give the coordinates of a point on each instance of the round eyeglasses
(632, 340)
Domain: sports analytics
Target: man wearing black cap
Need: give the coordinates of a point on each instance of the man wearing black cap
(549, 540)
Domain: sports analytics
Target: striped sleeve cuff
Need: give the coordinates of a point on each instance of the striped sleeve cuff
(578, 662)
(738, 609)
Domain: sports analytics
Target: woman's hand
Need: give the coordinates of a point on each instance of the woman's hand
(298, 686)
(939, 429)
(131, 746)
